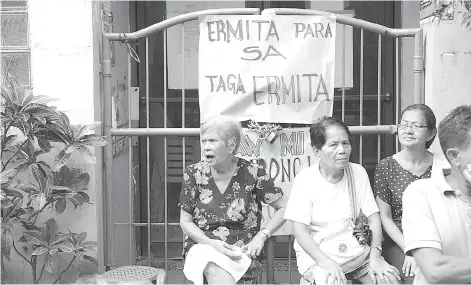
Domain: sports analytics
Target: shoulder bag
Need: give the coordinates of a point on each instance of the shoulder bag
(344, 246)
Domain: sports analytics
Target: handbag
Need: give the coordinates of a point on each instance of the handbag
(343, 246)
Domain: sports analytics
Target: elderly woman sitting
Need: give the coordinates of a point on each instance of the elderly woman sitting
(221, 209)
(324, 203)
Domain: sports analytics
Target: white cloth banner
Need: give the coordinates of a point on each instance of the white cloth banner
(268, 68)
(282, 160)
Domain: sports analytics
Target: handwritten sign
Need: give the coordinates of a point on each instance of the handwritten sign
(268, 68)
(289, 153)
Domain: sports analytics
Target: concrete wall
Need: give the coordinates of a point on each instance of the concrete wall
(447, 66)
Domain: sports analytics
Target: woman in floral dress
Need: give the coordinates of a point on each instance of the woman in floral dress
(221, 209)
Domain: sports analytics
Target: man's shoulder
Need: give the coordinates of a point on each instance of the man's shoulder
(420, 187)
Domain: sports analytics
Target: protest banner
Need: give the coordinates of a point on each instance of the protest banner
(268, 68)
(282, 160)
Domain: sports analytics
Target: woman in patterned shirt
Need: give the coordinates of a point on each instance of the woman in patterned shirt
(221, 209)
(416, 132)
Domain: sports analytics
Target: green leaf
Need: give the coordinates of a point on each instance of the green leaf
(90, 244)
(93, 140)
(60, 160)
(40, 250)
(79, 199)
(61, 188)
(6, 175)
(49, 264)
(9, 139)
(60, 205)
(30, 189)
(13, 193)
(40, 118)
(24, 166)
(35, 238)
(54, 250)
(39, 201)
(29, 227)
(91, 259)
(70, 149)
(87, 129)
(60, 238)
(66, 247)
(38, 176)
(85, 177)
(17, 204)
(7, 242)
(51, 229)
(81, 237)
(87, 154)
(28, 99)
(79, 254)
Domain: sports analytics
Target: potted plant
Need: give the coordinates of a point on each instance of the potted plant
(34, 183)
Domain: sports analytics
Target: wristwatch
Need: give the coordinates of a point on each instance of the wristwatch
(266, 232)
(378, 247)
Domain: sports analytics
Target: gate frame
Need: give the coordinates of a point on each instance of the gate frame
(109, 132)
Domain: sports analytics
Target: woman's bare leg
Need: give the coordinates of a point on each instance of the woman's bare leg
(216, 275)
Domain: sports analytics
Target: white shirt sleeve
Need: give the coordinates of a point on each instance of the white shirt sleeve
(366, 198)
(299, 206)
(418, 223)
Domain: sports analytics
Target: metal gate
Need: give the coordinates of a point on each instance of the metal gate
(160, 30)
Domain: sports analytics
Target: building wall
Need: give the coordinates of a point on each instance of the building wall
(447, 66)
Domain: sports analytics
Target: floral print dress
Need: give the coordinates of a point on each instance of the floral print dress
(233, 216)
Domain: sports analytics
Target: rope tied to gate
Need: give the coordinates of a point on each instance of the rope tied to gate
(131, 51)
(268, 132)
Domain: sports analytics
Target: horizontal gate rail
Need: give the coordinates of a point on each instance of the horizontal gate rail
(354, 130)
(160, 26)
(357, 23)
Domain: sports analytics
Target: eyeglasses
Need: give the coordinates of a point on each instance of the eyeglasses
(414, 127)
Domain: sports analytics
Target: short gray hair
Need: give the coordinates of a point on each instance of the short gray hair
(454, 130)
(225, 126)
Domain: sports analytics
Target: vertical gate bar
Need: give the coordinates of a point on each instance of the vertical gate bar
(148, 152)
(289, 259)
(379, 94)
(419, 68)
(183, 112)
(397, 90)
(361, 93)
(165, 151)
(108, 155)
(343, 71)
(270, 247)
(130, 184)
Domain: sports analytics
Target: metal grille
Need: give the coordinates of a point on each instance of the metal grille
(14, 44)
(18, 65)
(178, 136)
(14, 29)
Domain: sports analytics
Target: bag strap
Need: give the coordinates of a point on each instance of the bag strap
(351, 192)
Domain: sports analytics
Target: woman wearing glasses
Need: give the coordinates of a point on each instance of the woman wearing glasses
(416, 132)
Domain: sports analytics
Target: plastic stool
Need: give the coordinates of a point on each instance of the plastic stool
(131, 273)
